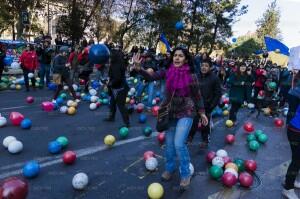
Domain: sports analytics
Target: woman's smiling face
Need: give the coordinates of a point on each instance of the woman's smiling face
(179, 58)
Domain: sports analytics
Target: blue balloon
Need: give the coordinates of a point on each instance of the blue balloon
(179, 25)
(59, 101)
(52, 86)
(56, 106)
(8, 60)
(26, 124)
(99, 54)
(157, 94)
(142, 118)
(95, 84)
(31, 169)
(54, 147)
(103, 94)
(234, 40)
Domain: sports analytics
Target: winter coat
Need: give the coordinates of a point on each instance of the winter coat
(239, 93)
(29, 60)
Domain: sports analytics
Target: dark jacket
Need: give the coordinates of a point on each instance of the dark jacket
(45, 55)
(210, 89)
(293, 116)
(117, 70)
(239, 93)
(59, 66)
(2, 56)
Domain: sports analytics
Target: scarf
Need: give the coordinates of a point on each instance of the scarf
(179, 79)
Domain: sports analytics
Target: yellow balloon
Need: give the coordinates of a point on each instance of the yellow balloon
(71, 110)
(232, 165)
(74, 104)
(155, 191)
(109, 140)
(267, 111)
(18, 87)
(226, 112)
(229, 123)
(127, 99)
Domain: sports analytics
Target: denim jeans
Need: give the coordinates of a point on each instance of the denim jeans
(44, 71)
(176, 145)
(150, 92)
(162, 89)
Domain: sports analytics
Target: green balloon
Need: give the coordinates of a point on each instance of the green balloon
(5, 79)
(147, 131)
(3, 86)
(272, 85)
(254, 145)
(63, 141)
(63, 95)
(135, 81)
(145, 98)
(105, 101)
(123, 132)
(258, 132)
(215, 172)
(263, 138)
(251, 137)
(240, 163)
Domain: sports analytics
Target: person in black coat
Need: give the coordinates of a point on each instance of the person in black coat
(117, 86)
(210, 87)
(2, 56)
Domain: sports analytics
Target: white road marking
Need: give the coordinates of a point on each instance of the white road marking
(79, 153)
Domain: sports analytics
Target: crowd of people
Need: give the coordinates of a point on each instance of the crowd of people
(191, 84)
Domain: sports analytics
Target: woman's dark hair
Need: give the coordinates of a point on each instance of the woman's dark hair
(187, 55)
(117, 58)
(31, 47)
(239, 65)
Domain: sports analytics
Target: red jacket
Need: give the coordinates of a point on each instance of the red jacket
(260, 78)
(29, 60)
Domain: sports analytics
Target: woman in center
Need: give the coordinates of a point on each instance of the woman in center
(182, 84)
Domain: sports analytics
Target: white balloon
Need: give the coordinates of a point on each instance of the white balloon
(15, 147)
(15, 65)
(94, 98)
(66, 87)
(151, 163)
(221, 153)
(93, 92)
(8, 140)
(30, 75)
(218, 161)
(80, 181)
(93, 106)
(132, 90)
(232, 171)
(251, 106)
(69, 102)
(3, 121)
(12, 86)
(153, 102)
(63, 109)
(75, 87)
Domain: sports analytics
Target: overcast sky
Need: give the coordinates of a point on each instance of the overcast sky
(289, 20)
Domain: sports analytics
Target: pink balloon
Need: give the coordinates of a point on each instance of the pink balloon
(16, 118)
(47, 106)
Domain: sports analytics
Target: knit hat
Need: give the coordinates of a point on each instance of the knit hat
(64, 49)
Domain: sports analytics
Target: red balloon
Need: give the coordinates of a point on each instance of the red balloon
(229, 179)
(226, 160)
(29, 99)
(139, 109)
(248, 126)
(98, 104)
(148, 154)
(81, 82)
(226, 100)
(246, 180)
(47, 106)
(210, 156)
(278, 122)
(261, 93)
(69, 157)
(250, 165)
(230, 139)
(16, 118)
(161, 137)
(155, 110)
(13, 188)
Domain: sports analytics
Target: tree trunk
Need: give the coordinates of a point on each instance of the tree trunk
(126, 24)
(192, 24)
(213, 41)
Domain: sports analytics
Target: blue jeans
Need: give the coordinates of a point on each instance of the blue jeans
(162, 89)
(176, 145)
(44, 71)
(150, 93)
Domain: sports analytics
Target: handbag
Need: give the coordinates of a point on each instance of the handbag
(163, 116)
(57, 78)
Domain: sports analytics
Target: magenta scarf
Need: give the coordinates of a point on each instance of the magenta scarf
(179, 79)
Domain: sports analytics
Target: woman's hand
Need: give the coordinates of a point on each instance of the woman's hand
(137, 60)
(203, 120)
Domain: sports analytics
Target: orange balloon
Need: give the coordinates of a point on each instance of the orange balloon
(231, 165)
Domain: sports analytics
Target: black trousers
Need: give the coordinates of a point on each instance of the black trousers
(60, 87)
(85, 75)
(205, 130)
(1, 72)
(118, 99)
(235, 106)
(26, 78)
(293, 169)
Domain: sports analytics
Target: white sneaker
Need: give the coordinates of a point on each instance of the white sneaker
(290, 194)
